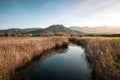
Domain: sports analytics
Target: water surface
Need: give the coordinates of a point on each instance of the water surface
(70, 64)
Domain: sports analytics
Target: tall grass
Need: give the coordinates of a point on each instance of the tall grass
(15, 52)
(19, 72)
(103, 55)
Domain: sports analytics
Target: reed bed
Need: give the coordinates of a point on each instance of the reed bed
(16, 52)
(103, 55)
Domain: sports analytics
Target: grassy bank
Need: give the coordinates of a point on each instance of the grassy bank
(19, 72)
(16, 52)
(103, 55)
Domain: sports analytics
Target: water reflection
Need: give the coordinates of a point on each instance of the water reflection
(25, 69)
(62, 64)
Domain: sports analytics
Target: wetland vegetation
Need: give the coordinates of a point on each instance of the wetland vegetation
(16, 52)
(103, 55)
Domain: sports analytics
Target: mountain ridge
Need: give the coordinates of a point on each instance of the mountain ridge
(53, 29)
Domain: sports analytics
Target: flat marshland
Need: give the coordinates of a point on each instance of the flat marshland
(16, 52)
(103, 55)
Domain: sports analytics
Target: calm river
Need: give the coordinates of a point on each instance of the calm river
(67, 64)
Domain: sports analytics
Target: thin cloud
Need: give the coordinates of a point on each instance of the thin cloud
(71, 12)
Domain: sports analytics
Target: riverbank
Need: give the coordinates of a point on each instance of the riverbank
(63, 64)
(103, 55)
(16, 52)
(21, 71)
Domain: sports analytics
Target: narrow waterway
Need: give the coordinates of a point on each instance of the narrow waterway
(69, 64)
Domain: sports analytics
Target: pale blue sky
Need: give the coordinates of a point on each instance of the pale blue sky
(42, 13)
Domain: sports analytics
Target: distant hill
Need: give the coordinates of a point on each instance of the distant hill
(11, 31)
(18, 31)
(60, 28)
(97, 30)
(54, 29)
(40, 32)
(30, 29)
(51, 30)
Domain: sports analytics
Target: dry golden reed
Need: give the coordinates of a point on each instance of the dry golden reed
(15, 52)
(103, 55)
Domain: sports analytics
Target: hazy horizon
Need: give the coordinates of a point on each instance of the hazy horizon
(105, 26)
(43, 13)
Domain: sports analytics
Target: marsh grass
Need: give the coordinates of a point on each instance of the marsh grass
(103, 55)
(21, 71)
(16, 52)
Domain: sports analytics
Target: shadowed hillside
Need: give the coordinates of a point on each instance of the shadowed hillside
(18, 31)
(51, 30)
(60, 28)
